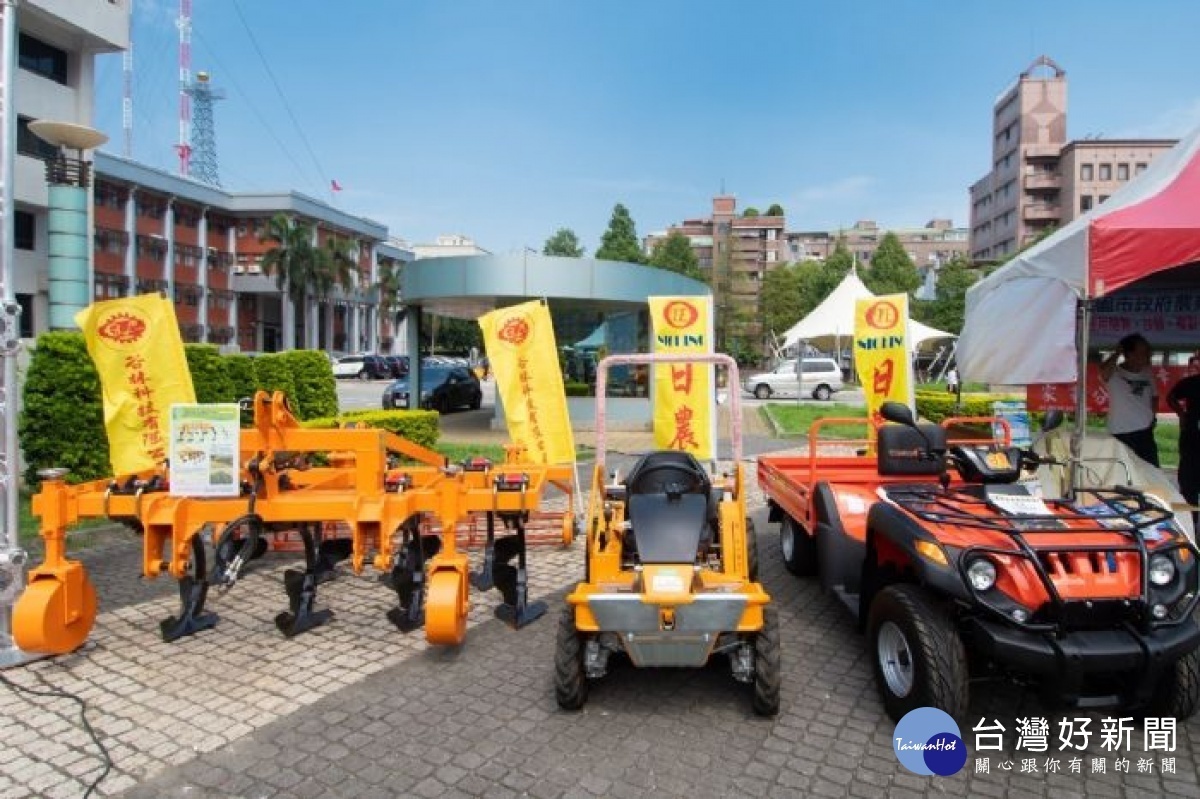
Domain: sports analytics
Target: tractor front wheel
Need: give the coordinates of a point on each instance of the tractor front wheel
(768, 670)
(917, 653)
(570, 679)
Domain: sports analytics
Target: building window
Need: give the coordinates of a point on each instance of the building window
(29, 144)
(1122, 171)
(26, 303)
(1085, 203)
(43, 59)
(1139, 168)
(1085, 172)
(1105, 172)
(24, 230)
(108, 196)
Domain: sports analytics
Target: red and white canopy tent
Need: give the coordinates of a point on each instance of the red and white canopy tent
(1028, 322)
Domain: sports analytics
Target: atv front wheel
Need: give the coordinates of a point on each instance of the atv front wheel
(799, 549)
(1178, 690)
(918, 656)
(767, 667)
(570, 679)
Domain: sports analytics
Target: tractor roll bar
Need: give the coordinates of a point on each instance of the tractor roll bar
(733, 385)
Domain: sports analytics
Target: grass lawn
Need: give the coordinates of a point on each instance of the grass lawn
(794, 419)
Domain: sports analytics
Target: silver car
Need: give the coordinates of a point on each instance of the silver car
(822, 377)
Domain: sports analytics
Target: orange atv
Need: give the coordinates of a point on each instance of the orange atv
(969, 572)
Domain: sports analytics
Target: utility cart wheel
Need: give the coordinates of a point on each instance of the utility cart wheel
(1178, 690)
(798, 547)
(767, 667)
(918, 656)
(570, 679)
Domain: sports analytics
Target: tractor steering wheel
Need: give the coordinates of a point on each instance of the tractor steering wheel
(682, 478)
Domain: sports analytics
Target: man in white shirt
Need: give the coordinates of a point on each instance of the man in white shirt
(1132, 398)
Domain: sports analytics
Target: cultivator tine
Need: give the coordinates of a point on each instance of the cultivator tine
(193, 591)
(482, 580)
(329, 554)
(301, 587)
(408, 578)
(513, 583)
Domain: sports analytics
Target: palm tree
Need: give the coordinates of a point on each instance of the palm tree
(389, 295)
(293, 260)
(335, 267)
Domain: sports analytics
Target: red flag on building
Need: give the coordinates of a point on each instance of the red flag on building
(335, 186)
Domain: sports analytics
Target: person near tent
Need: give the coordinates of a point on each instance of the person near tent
(1184, 399)
(1132, 399)
(952, 380)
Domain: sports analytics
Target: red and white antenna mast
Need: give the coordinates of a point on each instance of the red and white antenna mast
(184, 148)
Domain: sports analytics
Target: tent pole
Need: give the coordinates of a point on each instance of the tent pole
(1083, 320)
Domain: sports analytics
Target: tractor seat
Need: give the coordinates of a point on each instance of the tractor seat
(669, 528)
(902, 450)
(665, 471)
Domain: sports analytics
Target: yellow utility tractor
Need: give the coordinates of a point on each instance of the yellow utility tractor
(671, 565)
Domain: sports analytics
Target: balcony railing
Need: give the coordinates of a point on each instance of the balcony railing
(1043, 181)
(1038, 211)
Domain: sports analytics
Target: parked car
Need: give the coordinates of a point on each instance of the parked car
(364, 367)
(822, 377)
(443, 389)
(398, 364)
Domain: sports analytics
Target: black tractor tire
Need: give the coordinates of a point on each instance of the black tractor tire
(799, 549)
(762, 391)
(1178, 690)
(933, 652)
(822, 392)
(768, 667)
(751, 551)
(570, 679)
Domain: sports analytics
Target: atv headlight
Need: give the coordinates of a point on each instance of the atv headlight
(982, 574)
(1162, 570)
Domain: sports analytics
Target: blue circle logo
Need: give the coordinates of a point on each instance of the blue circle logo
(927, 741)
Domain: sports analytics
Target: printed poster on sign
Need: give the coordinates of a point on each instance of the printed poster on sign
(684, 416)
(1017, 415)
(881, 356)
(204, 450)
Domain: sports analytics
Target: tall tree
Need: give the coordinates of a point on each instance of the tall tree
(947, 309)
(389, 295)
(775, 210)
(675, 254)
(564, 242)
(750, 212)
(833, 270)
(620, 241)
(782, 300)
(891, 271)
(292, 258)
(334, 266)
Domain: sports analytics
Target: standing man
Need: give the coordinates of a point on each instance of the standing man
(1184, 399)
(1132, 401)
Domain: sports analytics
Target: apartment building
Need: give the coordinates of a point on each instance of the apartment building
(57, 45)
(935, 243)
(1039, 180)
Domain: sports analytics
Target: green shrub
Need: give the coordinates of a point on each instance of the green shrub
(272, 374)
(420, 427)
(239, 369)
(316, 389)
(938, 405)
(576, 389)
(209, 377)
(62, 420)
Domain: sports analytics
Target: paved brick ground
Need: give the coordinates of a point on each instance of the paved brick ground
(357, 709)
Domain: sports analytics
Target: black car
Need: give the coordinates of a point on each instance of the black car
(443, 389)
(398, 364)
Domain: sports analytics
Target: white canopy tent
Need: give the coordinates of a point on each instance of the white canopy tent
(834, 318)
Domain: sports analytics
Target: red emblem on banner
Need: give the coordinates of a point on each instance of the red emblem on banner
(883, 315)
(122, 328)
(514, 330)
(680, 314)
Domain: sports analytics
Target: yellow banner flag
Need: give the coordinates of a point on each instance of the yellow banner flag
(136, 347)
(524, 359)
(684, 417)
(881, 351)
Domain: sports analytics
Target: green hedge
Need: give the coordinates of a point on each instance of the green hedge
(420, 427)
(272, 374)
(209, 376)
(239, 369)
(938, 405)
(61, 421)
(316, 389)
(577, 389)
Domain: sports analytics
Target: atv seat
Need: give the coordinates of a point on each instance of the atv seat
(903, 451)
(669, 528)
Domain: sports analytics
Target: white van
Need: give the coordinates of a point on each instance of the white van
(822, 377)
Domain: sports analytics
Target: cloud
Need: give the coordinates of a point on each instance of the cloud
(1176, 122)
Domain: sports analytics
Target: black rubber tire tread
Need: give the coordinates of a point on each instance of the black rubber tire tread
(822, 393)
(803, 562)
(940, 660)
(570, 681)
(768, 668)
(763, 395)
(1178, 692)
(751, 551)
